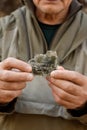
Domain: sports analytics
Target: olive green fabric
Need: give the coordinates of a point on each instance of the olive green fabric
(22, 38)
(18, 121)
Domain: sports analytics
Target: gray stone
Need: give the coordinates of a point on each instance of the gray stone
(43, 64)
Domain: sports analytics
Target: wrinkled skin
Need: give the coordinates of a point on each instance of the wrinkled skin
(69, 88)
(52, 11)
(13, 77)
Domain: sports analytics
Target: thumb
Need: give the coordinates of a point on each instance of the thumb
(60, 68)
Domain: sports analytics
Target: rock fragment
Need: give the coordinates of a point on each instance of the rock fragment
(43, 64)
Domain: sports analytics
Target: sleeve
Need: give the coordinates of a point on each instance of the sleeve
(79, 114)
(79, 111)
(75, 114)
(7, 107)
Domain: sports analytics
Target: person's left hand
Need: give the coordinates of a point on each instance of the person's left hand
(69, 88)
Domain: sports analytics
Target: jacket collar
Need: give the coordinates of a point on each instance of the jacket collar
(74, 8)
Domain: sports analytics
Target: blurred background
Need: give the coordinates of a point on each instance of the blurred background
(84, 2)
(7, 6)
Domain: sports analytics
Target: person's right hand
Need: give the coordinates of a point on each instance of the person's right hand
(14, 74)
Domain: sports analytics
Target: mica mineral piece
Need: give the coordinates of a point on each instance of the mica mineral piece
(43, 64)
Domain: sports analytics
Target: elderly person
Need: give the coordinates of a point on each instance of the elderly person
(57, 102)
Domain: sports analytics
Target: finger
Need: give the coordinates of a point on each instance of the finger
(60, 68)
(64, 103)
(7, 96)
(7, 75)
(68, 75)
(64, 95)
(67, 86)
(10, 63)
(12, 85)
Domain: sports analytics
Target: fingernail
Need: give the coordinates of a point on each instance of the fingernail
(52, 73)
(30, 76)
(60, 68)
(29, 68)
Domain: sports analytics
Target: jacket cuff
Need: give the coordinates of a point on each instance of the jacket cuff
(79, 111)
(8, 107)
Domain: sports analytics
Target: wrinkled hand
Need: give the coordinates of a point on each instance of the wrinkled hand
(12, 82)
(69, 88)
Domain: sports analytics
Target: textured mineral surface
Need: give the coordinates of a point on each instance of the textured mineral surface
(43, 64)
